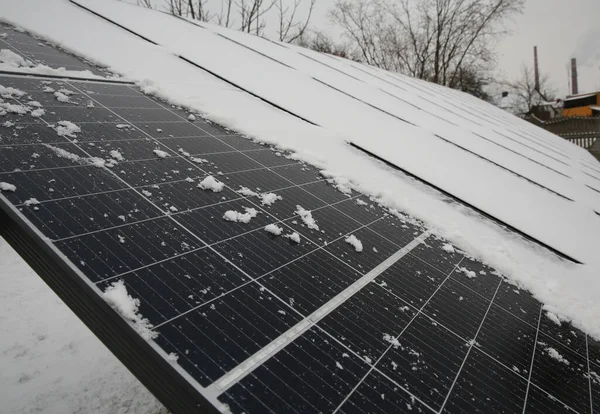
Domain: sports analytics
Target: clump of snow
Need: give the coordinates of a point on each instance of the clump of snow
(99, 162)
(161, 154)
(122, 126)
(269, 198)
(245, 191)
(32, 201)
(34, 103)
(191, 117)
(117, 155)
(552, 314)
(274, 229)
(10, 92)
(6, 107)
(4, 186)
(361, 202)
(354, 242)
(295, 237)
(10, 60)
(39, 112)
(307, 218)
(392, 340)
(63, 153)
(447, 247)
(238, 217)
(8, 124)
(67, 129)
(553, 353)
(117, 297)
(468, 273)
(210, 183)
(61, 97)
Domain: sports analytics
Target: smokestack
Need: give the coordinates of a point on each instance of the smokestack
(536, 69)
(574, 85)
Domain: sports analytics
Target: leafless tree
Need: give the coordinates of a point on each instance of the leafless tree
(145, 3)
(195, 9)
(224, 17)
(436, 40)
(525, 96)
(291, 29)
(251, 14)
(323, 43)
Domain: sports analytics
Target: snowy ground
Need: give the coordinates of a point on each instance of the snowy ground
(50, 361)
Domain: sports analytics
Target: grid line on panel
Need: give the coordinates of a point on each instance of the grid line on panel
(178, 213)
(471, 344)
(224, 383)
(537, 332)
(329, 66)
(257, 279)
(530, 147)
(503, 167)
(420, 311)
(521, 155)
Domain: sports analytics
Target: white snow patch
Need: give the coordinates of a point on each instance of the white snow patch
(274, 229)
(4, 186)
(67, 129)
(295, 237)
(245, 191)
(468, 273)
(117, 155)
(32, 201)
(357, 244)
(10, 60)
(210, 183)
(361, 202)
(392, 340)
(447, 247)
(191, 117)
(269, 198)
(236, 216)
(161, 154)
(553, 353)
(117, 297)
(61, 97)
(10, 92)
(307, 218)
(39, 112)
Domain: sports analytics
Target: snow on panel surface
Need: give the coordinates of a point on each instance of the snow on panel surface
(520, 203)
(572, 228)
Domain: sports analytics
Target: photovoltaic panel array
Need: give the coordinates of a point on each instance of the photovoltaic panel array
(106, 187)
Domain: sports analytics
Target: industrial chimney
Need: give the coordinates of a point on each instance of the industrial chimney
(536, 69)
(574, 86)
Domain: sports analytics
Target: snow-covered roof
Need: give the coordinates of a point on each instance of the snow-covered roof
(573, 97)
(324, 109)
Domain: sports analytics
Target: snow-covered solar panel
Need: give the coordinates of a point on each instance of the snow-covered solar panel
(241, 279)
(435, 127)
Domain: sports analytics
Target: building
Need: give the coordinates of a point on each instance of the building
(582, 105)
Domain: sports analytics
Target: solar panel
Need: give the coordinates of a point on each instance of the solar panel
(240, 316)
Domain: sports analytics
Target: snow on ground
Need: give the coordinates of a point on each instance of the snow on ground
(50, 361)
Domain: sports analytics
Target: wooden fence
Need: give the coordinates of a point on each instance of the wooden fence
(581, 131)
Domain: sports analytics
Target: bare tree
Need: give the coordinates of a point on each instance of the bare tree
(436, 40)
(224, 17)
(321, 42)
(291, 29)
(251, 14)
(145, 3)
(524, 95)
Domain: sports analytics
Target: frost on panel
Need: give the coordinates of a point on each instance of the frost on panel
(4, 186)
(238, 217)
(274, 229)
(307, 218)
(354, 242)
(210, 183)
(118, 298)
